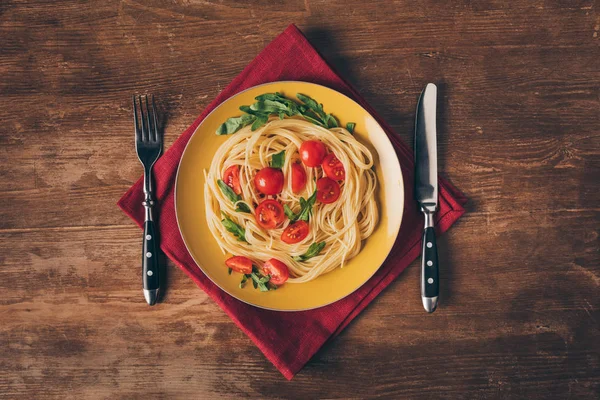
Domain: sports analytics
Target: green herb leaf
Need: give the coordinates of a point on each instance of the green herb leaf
(281, 114)
(229, 271)
(311, 119)
(313, 105)
(277, 160)
(243, 281)
(289, 213)
(254, 284)
(312, 251)
(331, 121)
(228, 191)
(262, 287)
(234, 228)
(234, 124)
(350, 127)
(243, 207)
(261, 119)
(306, 211)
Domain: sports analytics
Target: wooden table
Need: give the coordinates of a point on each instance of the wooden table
(520, 135)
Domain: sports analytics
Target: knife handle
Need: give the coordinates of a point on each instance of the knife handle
(430, 288)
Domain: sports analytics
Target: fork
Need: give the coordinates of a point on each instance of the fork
(148, 145)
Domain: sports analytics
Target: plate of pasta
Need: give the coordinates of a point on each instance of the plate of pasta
(289, 196)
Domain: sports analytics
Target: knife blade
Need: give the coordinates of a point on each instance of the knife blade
(426, 192)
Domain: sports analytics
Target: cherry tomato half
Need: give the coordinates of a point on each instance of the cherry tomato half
(269, 181)
(312, 153)
(333, 167)
(279, 271)
(231, 177)
(298, 178)
(240, 264)
(269, 214)
(295, 232)
(328, 190)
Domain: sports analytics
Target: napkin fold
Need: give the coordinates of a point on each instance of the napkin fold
(290, 339)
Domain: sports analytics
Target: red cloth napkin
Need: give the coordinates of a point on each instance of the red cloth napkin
(290, 339)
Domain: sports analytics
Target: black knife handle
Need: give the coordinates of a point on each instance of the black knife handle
(150, 257)
(429, 265)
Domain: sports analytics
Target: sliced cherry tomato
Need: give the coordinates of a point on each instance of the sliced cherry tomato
(295, 232)
(232, 178)
(269, 181)
(333, 167)
(269, 214)
(240, 264)
(279, 271)
(298, 178)
(328, 190)
(312, 153)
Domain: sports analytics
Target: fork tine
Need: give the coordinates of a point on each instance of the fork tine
(148, 122)
(138, 135)
(142, 122)
(156, 137)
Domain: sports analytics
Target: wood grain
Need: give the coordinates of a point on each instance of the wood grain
(519, 134)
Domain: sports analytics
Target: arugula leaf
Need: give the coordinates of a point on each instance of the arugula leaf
(277, 160)
(234, 228)
(229, 271)
(331, 121)
(306, 211)
(243, 207)
(260, 120)
(243, 281)
(350, 127)
(289, 213)
(228, 191)
(234, 124)
(313, 250)
(312, 104)
(311, 119)
(277, 104)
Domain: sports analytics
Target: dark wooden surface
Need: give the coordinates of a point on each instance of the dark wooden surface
(520, 135)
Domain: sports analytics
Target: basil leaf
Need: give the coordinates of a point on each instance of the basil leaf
(350, 127)
(243, 207)
(281, 114)
(234, 228)
(228, 191)
(261, 119)
(277, 160)
(289, 213)
(234, 124)
(243, 281)
(229, 271)
(254, 284)
(313, 250)
(331, 121)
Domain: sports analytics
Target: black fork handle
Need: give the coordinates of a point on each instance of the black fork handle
(150, 249)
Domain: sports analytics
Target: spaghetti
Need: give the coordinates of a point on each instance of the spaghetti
(341, 225)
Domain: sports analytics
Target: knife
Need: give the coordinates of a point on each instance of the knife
(426, 192)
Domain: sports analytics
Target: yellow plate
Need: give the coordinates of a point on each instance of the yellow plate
(326, 289)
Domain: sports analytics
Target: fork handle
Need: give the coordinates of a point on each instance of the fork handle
(150, 272)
